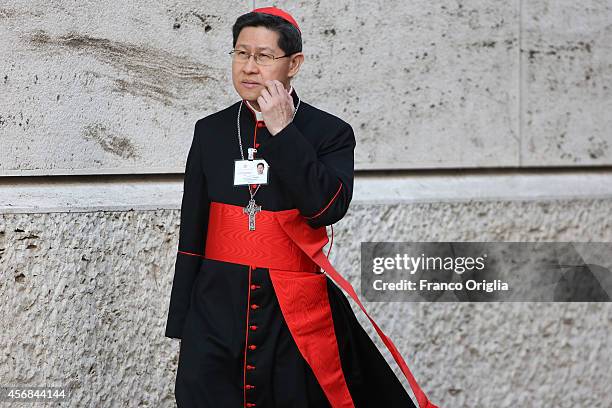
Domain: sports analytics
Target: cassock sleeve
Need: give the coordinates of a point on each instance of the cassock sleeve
(192, 235)
(320, 181)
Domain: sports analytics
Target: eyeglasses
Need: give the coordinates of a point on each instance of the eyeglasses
(260, 58)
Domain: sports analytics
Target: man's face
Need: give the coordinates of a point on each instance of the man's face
(261, 40)
(260, 168)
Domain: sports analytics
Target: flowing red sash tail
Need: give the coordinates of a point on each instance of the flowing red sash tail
(312, 241)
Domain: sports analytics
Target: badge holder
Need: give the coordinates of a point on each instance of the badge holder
(251, 171)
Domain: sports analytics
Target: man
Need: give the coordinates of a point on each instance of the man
(260, 168)
(261, 325)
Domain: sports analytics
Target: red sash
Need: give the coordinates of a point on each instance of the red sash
(292, 250)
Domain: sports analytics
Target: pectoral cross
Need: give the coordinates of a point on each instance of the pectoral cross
(251, 209)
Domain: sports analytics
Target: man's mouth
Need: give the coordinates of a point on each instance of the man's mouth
(249, 84)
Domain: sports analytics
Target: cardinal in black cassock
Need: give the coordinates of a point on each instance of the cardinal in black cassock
(260, 323)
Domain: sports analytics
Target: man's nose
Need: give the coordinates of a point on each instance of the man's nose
(250, 65)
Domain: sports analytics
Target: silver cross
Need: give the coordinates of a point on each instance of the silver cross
(251, 209)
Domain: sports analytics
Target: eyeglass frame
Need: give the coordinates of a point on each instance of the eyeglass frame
(232, 52)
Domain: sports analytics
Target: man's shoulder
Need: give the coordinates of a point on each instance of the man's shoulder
(322, 117)
(324, 128)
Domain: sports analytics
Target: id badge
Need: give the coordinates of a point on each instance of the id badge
(250, 172)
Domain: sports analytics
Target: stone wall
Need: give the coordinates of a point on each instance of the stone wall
(475, 120)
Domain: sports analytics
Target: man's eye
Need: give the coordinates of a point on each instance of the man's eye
(241, 53)
(266, 57)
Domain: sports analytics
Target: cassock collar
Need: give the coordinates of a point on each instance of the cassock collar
(258, 116)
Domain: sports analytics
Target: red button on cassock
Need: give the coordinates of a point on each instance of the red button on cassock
(249, 386)
(251, 404)
(253, 327)
(254, 306)
(253, 287)
(252, 347)
(250, 367)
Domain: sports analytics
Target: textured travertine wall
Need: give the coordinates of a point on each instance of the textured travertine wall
(85, 298)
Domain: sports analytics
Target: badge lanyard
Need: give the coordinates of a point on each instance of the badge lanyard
(252, 208)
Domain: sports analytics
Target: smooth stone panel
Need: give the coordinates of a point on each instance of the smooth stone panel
(566, 83)
(101, 87)
(424, 84)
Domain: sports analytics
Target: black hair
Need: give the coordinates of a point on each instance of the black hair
(289, 37)
(258, 164)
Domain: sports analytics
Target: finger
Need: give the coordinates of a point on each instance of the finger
(271, 87)
(280, 88)
(265, 92)
(262, 102)
(266, 95)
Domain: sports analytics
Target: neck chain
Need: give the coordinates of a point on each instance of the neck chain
(240, 138)
(252, 208)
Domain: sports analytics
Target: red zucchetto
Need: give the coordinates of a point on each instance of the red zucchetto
(279, 13)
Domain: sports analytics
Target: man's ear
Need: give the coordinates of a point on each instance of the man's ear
(296, 62)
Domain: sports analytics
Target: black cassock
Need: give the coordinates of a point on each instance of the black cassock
(311, 169)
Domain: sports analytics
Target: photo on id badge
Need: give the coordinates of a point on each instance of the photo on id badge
(250, 172)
